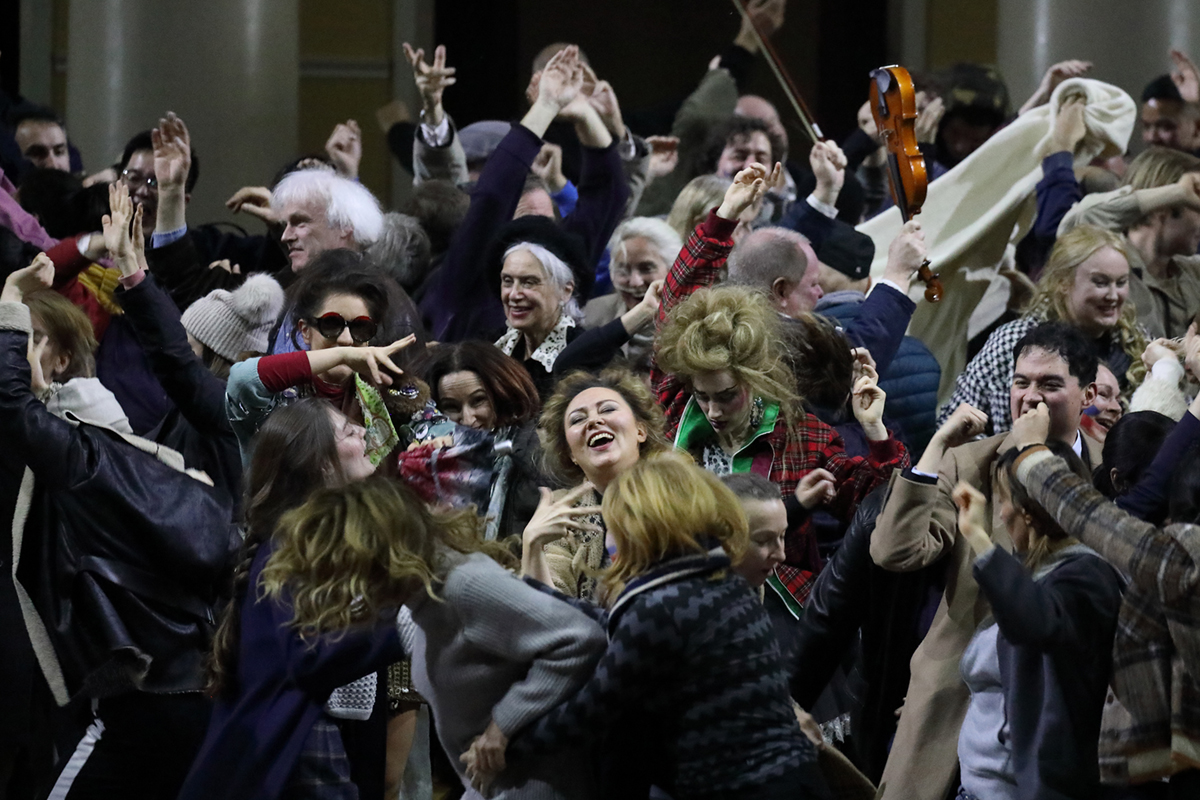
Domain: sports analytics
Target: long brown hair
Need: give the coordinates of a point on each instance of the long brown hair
(352, 551)
(295, 453)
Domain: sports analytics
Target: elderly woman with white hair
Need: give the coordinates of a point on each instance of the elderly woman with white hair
(641, 250)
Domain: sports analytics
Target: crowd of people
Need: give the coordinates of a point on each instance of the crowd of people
(605, 467)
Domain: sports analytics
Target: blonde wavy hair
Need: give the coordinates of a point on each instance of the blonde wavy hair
(693, 203)
(1159, 166)
(666, 506)
(556, 453)
(730, 328)
(1058, 279)
(352, 551)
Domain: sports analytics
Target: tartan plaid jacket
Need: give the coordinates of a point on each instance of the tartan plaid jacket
(1151, 728)
(788, 453)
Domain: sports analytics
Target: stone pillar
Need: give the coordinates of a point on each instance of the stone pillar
(229, 68)
(1127, 42)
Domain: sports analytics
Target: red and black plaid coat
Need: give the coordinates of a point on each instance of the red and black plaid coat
(794, 450)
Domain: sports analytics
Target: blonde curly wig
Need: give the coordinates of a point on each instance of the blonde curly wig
(730, 328)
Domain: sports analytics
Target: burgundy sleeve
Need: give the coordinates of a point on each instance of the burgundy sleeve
(282, 371)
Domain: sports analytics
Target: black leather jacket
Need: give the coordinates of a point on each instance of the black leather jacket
(851, 595)
(122, 556)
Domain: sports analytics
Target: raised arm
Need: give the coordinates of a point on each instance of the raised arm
(1156, 561)
(460, 303)
(32, 435)
(437, 150)
(918, 522)
(196, 392)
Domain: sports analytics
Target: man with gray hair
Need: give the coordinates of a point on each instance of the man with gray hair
(784, 264)
(321, 211)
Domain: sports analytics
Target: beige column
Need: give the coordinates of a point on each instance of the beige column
(1127, 41)
(228, 67)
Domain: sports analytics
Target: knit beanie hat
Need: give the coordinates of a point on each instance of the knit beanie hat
(231, 323)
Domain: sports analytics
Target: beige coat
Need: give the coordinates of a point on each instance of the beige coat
(918, 527)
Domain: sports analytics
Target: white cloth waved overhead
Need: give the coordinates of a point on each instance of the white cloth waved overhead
(974, 211)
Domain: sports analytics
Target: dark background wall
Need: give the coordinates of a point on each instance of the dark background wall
(654, 52)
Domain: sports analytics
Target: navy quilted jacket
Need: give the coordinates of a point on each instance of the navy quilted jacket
(911, 380)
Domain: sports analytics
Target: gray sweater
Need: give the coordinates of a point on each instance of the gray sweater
(497, 648)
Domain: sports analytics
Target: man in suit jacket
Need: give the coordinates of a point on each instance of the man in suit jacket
(1055, 365)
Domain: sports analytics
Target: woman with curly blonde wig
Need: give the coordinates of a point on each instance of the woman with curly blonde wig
(730, 398)
(593, 428)
(1086, 283)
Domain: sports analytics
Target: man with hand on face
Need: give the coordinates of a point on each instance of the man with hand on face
(1054, 377)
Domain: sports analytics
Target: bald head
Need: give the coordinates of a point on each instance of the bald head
(781, 263)
(751, 105)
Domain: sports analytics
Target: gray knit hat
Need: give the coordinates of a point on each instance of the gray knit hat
(231, 323)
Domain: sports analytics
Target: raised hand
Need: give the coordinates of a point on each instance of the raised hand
(172, 153)
(1054, 76)
(828, 164)
(548, 167)
(344, 148)
(371, 362)
(1069, 125)
(252, 200)
(561, 79)
(1156, 351)
(604, 99)
(664, 155)
(972, 517)
(1190, 184)
(554, 519)
(1186, 76)
(747, 188)
(929, 116)
(906, 254)
(963, 425)
(816, 488)
(34, 350)
(118, 234)
(766, 16)
(868, 401)
(27, 280)
(431, 80)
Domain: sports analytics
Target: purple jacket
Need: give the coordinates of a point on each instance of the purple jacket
(462, 301)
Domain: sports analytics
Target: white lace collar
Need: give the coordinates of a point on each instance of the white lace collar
(548, 351)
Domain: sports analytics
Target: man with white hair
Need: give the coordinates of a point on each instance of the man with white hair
(321, 211)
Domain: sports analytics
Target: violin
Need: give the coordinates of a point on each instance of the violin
(894, 106)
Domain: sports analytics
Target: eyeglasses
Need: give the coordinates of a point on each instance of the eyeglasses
(135, 180)
(331, 325)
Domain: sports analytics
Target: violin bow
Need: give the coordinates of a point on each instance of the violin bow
(785, 80)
